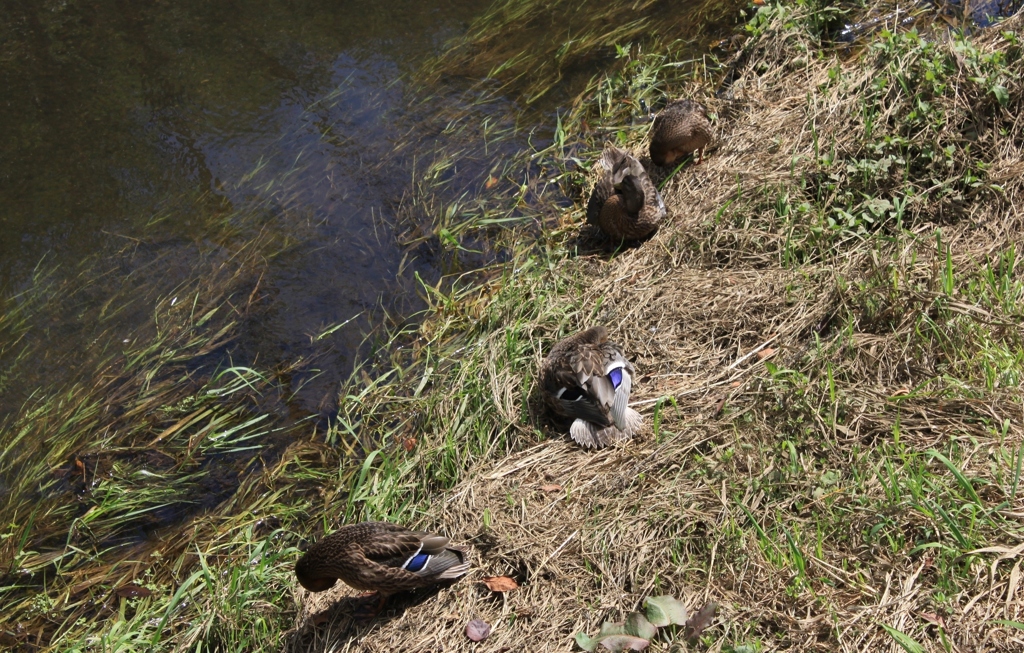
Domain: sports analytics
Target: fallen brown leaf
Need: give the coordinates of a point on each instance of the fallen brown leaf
(933, 618)
(500, 583)
(765, 353)
(696, 624)
(132, 591)
(719, 405)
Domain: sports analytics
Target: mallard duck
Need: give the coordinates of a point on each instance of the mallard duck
(679, 129)
(624, 203)
(380, 557)
(587, 378)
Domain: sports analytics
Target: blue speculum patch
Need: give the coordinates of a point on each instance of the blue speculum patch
(417, 562)
(615, 376)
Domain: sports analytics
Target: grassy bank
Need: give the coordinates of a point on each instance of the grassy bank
(827, 333)
(828, 344)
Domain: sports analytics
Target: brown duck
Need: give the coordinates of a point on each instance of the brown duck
(586, 378)
(380, 557)
(625, 205)
(679, 129)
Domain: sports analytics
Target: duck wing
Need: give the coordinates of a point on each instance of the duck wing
(389, 544)
(603, 191)
(390, 558)
(654, 210)
(571, 398)
(604, 188)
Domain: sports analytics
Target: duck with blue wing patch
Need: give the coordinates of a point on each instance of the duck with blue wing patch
(586, 378)
(380, 557)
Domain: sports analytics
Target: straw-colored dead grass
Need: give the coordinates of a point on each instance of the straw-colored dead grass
(791, 405)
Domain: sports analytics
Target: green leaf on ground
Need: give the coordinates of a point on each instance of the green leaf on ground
(665, 610)
(618, 643)
(586, 642)
(637, 625)
(612, 628)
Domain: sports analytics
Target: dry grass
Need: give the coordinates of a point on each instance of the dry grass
(834, 411)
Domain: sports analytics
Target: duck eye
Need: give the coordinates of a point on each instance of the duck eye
(572, 394)
(615, 376)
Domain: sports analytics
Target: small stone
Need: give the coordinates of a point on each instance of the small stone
(478, 630)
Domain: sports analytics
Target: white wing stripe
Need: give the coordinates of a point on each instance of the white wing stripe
(406, 563)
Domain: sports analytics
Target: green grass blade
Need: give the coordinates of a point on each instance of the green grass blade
(964, 483)
(905, 641)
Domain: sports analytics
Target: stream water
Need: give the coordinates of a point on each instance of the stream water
(142, 124)
(125, 120)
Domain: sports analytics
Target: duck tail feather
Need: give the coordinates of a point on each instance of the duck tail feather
(590, 436)
(633, 422)
(451, 563)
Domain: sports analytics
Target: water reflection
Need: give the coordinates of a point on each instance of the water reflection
(116, 112)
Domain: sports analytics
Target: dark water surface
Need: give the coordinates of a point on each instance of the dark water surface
(117, 115)
(113, 111)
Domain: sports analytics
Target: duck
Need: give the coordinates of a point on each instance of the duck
(624, 204)
(586, 377)
(678, 130)
(381, 558)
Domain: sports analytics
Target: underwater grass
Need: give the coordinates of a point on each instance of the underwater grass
(527, 49)
(100, 465)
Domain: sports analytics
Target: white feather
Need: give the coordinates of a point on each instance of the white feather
(584, 433)
(614, 365)
(621, 401)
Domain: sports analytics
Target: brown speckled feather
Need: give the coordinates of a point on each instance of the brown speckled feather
(577, 383)
(681, 128)
(624, 204)
(371, 556)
